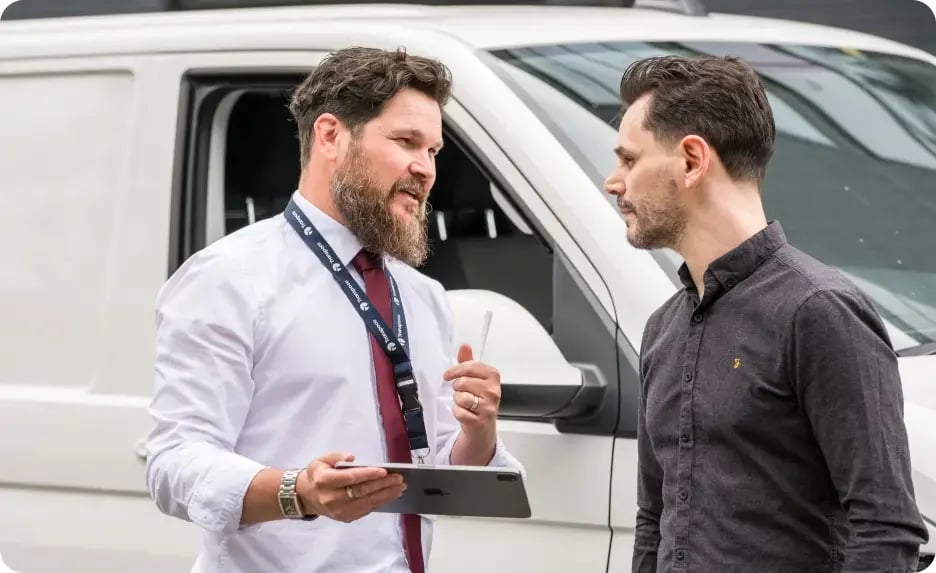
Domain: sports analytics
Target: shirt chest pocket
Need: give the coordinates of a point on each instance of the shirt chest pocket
(742, 387)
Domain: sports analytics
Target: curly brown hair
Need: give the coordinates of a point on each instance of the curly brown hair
(721, 100)
(355, 83)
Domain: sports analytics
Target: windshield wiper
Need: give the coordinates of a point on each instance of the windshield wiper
(925, 349)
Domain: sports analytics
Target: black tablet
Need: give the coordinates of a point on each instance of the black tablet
(480, 491)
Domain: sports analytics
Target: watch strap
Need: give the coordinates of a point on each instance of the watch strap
(289, 503)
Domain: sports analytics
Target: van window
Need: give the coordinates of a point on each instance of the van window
(478, 239)
(851, 179)
(64, 139)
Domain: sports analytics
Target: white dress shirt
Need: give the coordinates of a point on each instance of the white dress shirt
(262, 362)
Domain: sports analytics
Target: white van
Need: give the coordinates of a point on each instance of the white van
(128, 142)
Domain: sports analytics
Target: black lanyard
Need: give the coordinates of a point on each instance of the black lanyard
(394, 343)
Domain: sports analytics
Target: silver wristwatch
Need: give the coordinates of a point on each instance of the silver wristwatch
(289, 503)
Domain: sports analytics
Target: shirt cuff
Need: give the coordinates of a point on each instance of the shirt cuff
(504, 459)
(501, 458)
(218, 502)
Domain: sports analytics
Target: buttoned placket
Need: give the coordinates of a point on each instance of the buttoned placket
(685, 457)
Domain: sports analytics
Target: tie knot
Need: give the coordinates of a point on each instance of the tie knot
(366, 261)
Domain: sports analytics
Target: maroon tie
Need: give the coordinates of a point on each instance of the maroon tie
(378, 290)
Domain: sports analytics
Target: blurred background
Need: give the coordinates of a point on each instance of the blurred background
(906, 21)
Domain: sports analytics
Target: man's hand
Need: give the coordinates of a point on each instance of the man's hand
(477, 399)
(345, 494)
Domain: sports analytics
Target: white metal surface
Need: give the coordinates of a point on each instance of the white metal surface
(516, 341)
(623, 504)
(515, 26)
(57, 287)
(568, 486)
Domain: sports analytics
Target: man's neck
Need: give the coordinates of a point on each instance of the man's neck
(717, 228)
(316, 189)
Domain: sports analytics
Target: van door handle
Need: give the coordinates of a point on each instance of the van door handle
(555, 401)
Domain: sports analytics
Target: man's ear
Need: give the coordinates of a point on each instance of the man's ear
(697, 158)
(325, 135)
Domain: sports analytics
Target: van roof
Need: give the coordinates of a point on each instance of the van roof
(478, 27)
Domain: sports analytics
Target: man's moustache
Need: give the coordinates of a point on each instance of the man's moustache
(413, 186)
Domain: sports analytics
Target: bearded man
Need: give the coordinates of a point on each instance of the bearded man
(310, 336)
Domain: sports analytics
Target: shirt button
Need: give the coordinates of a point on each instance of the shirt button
(684, 436)
(687, 377)
(680, 555)
(731, 282)
(683, 495)
(697, 317)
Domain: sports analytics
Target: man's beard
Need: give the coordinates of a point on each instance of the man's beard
(365, 209)
(658, 223)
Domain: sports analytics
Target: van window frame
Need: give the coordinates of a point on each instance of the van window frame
(200, 96)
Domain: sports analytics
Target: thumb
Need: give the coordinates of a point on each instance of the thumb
(333, 458)
(464, 353)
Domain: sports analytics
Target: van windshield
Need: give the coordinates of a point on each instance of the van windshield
(853, 176)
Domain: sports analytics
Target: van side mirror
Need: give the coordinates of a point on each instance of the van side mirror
(536, 379)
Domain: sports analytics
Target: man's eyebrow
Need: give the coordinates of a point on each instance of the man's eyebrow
(414, 133)
(623, 153)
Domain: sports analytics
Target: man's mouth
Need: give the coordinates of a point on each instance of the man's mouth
(409, 199)
(412, 189)
(412, 194)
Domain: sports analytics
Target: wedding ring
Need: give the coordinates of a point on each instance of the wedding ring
(474, 406)
(350, 492)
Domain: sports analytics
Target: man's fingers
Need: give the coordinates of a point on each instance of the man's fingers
(361, 506)
(333, 478)
(486, 390)
(477, 386)
(332, 458)
(473, 369)
(464, 353)
(380, 497)
(367, 488)
(467, 399)
(466, 417)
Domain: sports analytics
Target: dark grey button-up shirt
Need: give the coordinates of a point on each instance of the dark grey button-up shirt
(771, 434)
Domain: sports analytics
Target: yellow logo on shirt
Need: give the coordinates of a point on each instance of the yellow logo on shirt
(737, 363)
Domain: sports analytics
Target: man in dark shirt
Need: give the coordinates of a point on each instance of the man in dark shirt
(771, 434)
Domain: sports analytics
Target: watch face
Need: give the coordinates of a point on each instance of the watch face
(287, 507)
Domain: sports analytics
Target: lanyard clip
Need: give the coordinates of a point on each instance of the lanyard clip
(420, 456)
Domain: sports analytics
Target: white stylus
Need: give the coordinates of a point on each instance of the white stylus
(488, 315)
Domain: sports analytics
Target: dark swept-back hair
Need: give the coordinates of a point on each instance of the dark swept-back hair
(355, 83)
(720, 99)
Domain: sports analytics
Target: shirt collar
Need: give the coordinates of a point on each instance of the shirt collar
(738, 264)
(343, 242)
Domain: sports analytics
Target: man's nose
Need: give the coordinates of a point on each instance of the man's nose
(424, 168)
(614, 186)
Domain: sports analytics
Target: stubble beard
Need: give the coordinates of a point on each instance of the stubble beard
(657, 224)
